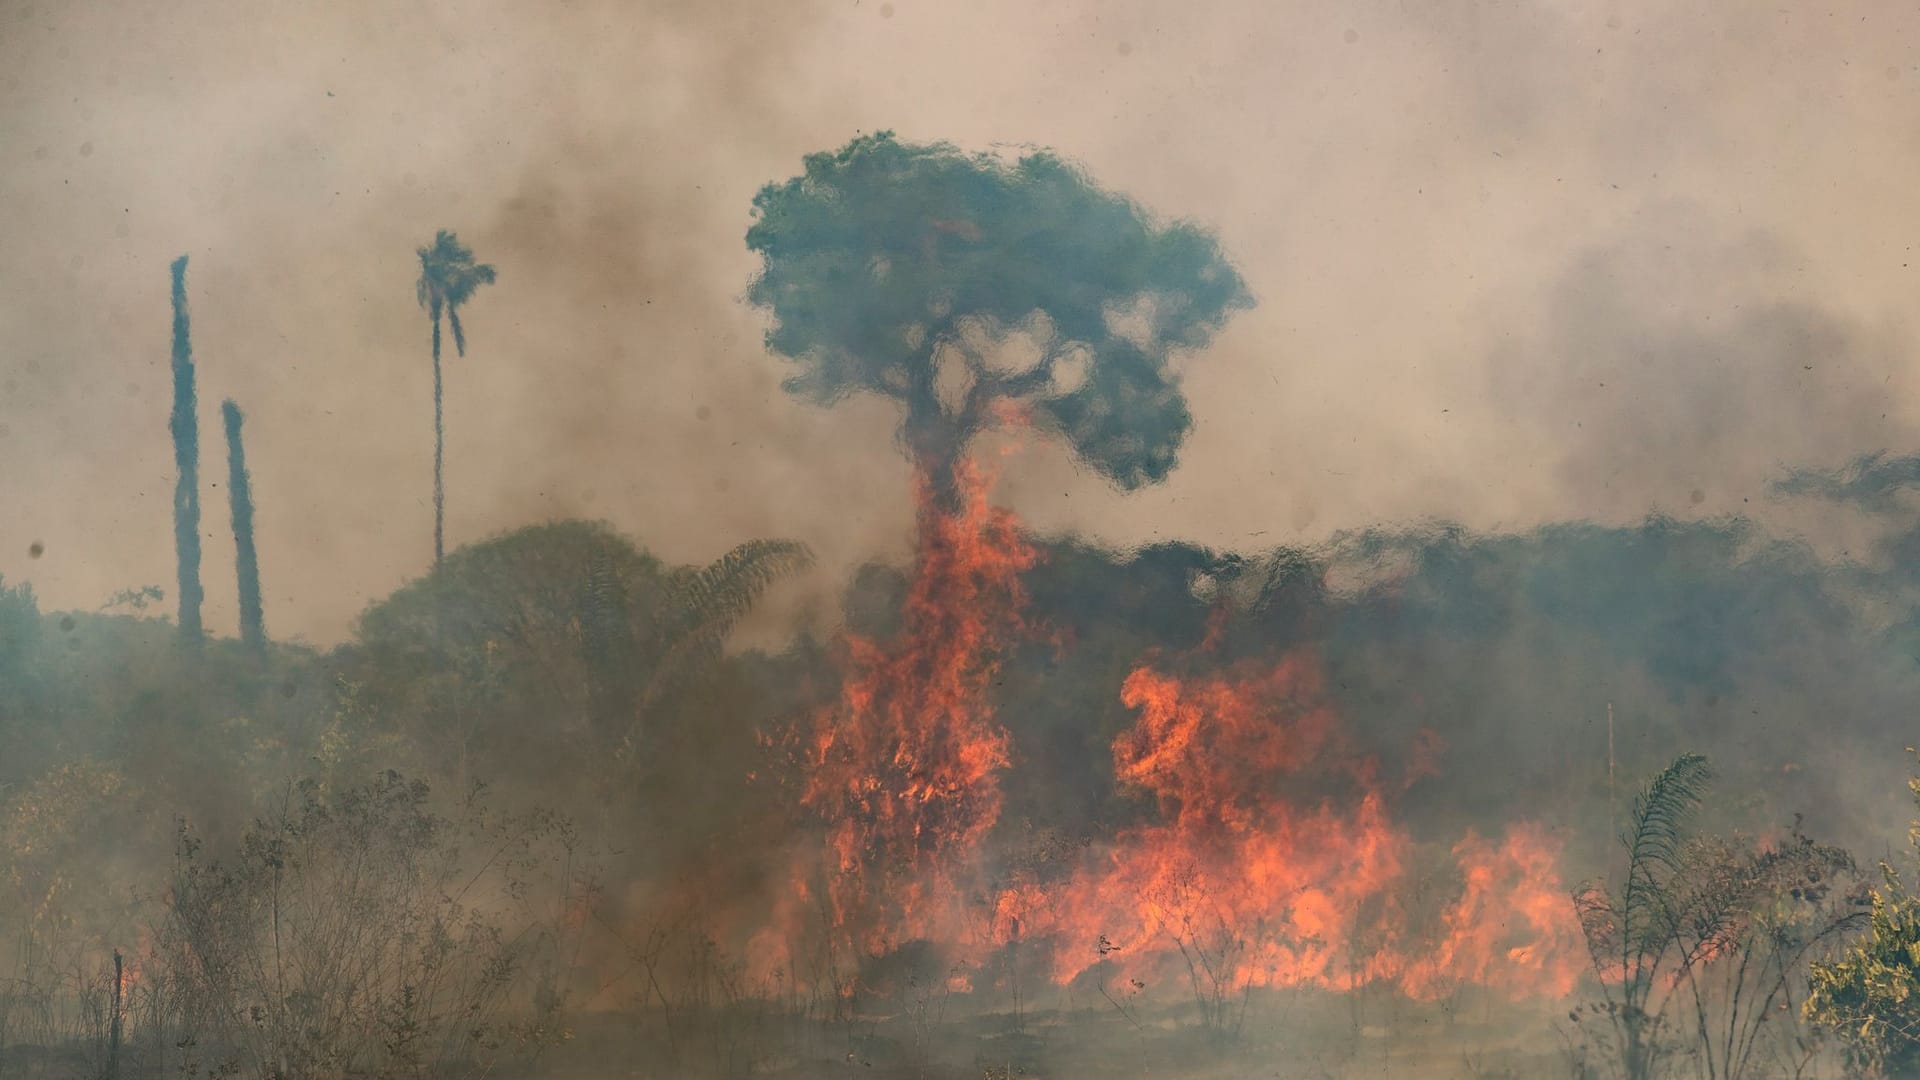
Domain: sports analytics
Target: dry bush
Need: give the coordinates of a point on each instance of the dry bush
(358, 933)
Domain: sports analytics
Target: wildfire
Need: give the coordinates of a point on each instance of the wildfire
(905, 766)
(1275, 862)
(130, 968)
(1261, 887)
(1269, 857)
(1511, 927)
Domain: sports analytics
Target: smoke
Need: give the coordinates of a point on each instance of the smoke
(1669, 373)
(1874, 482)
(1403, 187)
(1526, 277)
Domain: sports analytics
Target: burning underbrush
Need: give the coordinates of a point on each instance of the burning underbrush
(887, 886)
(1265, 853)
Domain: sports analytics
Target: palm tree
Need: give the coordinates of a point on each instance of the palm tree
(560, 647)
(1636, 936)
(448, 277)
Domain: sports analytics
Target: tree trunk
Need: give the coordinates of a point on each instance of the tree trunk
(439, 453)
(185, 428)
(253, 627)
(937, 443)
(113, 1035)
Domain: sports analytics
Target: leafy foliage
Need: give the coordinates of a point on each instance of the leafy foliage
(1703, 950)
(1661, 813)
(704, 604)
(547, 648)
(449, 276)
(888, 263)
(19, 626)
(1870, 994)
(1633, 935)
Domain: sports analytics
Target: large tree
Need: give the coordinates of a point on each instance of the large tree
(556, 639)
(448, 278)
(959, 284)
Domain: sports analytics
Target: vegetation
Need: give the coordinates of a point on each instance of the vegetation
(1701, 952)
(185, 427)
(253, 624)
(448, 279)
(1869, 995)
(357, 933)
(373, 868)
(970, 290)
(516, 687)
(568, 622)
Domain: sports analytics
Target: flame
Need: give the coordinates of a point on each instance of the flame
(1267, 854)
(1510, 928)
(133, 963)
(1275, 861)
(131, 975)
(905, 766)
(1257, 887)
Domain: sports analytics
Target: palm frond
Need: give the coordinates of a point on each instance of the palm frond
(449, 276)
(1662, 811)
(709, 602)
(728, 586)
(1654, 839)
(1716, 900)
(462, 280)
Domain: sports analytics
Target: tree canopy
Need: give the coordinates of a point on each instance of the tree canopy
(448, 278)
(555, 636)
(906, 270)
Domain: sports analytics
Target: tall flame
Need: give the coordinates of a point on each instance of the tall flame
(905, 766)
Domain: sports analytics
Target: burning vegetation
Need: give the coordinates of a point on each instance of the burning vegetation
(1037, 809)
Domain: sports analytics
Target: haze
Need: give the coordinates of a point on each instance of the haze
(1514, 263)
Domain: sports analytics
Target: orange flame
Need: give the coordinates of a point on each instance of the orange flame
(905, 766)
(1260, 886)
(1269, 858)
(1510, 928)
(1275, 861)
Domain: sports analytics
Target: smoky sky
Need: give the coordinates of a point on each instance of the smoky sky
(1458, 219)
